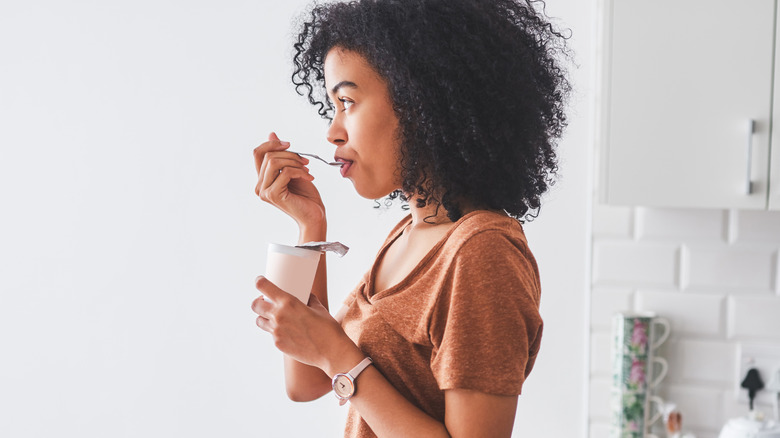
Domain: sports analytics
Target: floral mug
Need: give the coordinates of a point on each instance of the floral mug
(637, 334)
(632, 416)
(639, 373)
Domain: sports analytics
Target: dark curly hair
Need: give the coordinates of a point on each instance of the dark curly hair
(478, 87)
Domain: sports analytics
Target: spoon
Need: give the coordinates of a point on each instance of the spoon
(316, 157)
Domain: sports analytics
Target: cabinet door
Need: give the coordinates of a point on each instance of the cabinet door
(774, 173)
(686, 81)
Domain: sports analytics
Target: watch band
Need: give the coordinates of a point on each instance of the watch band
(344, 383)
(354, 372)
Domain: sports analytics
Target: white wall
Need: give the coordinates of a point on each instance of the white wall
(130, 235)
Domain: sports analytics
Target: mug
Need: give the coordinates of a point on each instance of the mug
(631, 413)
(637, 334)
(639, 373)
(654, 403)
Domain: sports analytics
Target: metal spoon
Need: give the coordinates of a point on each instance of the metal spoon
(329, 163)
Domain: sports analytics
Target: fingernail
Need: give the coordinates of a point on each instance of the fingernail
(285, 143)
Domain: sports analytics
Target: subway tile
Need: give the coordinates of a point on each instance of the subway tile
(754, 317)
(698, 405)
(688, 313)
(599, 399)
(682, 224)
(605, 302)
(738, 269)
(700, 361)
(758, 226)
(613, 221)
(601, 354)
(634, 264)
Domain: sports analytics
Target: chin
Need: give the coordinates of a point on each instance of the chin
(371, 192)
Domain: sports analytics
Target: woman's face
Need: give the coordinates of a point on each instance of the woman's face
(364, 127)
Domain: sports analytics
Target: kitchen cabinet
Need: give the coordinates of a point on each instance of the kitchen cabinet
(684, 106)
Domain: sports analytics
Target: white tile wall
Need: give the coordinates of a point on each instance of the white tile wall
(698, 404)
(707, 320)
(669, 224)
(625, 263)
(706, 362)
(600, 400)
(754, 317)
(606, 301)
(758, 226)
(713, 274)
(613, 221)
(737, 269)
(600, 344)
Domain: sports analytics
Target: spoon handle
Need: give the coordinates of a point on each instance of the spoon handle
(316, 157)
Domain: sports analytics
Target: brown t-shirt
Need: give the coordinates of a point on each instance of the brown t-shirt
(466, 317)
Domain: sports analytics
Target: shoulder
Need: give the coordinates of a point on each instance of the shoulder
(484, 230)
(489, 252)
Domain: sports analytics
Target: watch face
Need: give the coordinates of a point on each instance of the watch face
(343, 387)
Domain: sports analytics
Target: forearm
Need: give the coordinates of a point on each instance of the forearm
(304, 382)
(387, 412)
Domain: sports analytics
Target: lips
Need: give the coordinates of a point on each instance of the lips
(345, 166)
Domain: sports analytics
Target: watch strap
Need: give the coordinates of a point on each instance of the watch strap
(354, 372)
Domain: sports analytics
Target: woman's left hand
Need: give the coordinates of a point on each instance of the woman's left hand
(308, 334)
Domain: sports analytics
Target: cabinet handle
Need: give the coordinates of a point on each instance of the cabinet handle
(751, 131)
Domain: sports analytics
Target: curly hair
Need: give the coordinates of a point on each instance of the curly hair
(478, 87)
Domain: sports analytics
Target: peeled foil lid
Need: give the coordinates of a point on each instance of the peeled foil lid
(339, 248)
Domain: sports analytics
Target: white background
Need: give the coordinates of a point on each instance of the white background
(130, 234)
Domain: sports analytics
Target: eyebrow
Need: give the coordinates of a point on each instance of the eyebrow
(341, 84)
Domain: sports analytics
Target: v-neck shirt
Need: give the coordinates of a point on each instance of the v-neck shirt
(466, 317)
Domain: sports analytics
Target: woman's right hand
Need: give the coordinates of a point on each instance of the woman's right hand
(284, 181)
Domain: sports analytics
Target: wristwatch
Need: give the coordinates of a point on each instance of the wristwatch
(344, 383)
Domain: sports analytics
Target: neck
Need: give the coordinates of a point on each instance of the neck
(428, 216)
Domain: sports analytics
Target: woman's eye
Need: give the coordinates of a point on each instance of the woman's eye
(346, 103)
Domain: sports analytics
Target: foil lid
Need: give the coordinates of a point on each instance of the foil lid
(339, 248)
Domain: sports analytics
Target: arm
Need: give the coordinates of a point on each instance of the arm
(284, 182)
(305, 382)
(389, 414)
(309, 335)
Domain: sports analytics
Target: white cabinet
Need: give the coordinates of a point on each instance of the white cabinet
(685, 111)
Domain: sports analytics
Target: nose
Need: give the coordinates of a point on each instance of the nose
(337, 134)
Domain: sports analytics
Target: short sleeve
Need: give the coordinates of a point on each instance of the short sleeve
(485, 327)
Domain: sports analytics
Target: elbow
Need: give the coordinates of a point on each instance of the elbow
(300, 395)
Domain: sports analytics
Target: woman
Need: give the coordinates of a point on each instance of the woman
(456, 107)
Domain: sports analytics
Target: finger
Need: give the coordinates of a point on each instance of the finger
(273, 144)
(263, 324)
(262, 307)
(272, 168)
(274, 161)
(276, 184)
(270, 290)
